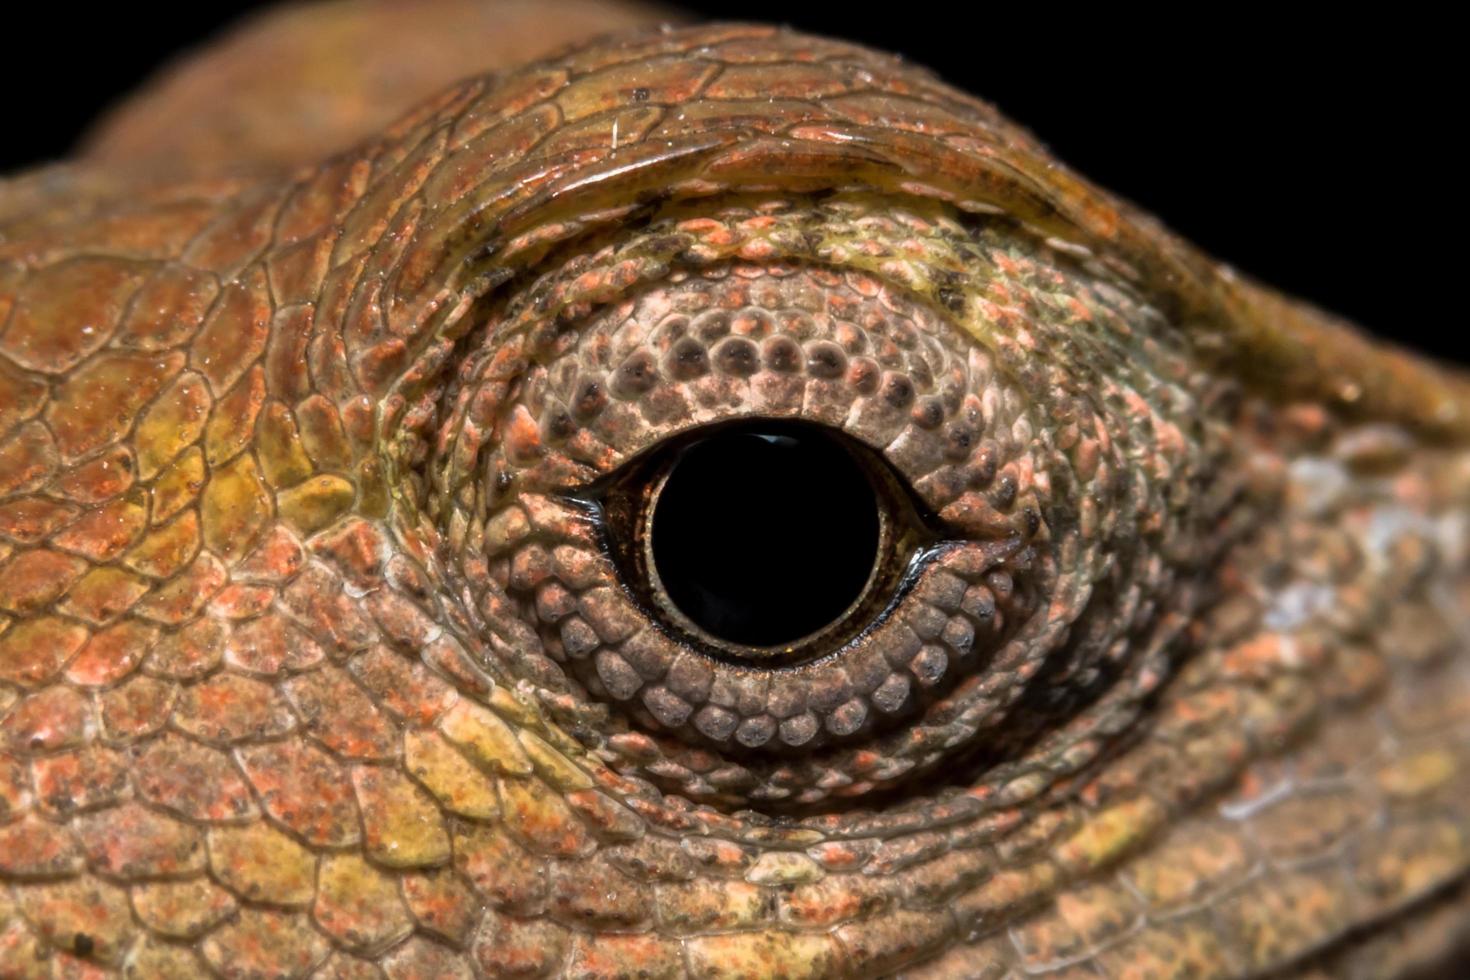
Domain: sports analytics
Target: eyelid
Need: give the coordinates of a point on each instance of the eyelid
(1032, 448)
(903, 391)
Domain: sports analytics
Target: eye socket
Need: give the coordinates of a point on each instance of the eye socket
(768, 542)
(966, 376)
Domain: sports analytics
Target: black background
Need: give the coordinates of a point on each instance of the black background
(1315, 155)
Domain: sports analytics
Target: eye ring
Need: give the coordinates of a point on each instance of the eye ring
(806, 487)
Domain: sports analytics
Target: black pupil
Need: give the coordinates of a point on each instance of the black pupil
(765, 534)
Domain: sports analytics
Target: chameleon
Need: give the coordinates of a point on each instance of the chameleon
(334, 632)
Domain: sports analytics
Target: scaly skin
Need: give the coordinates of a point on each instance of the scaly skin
(305, 668)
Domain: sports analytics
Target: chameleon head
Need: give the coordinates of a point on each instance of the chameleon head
(717, 502)
(684, 258)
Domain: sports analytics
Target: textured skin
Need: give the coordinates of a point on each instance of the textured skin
(305, 668)
(298, 82)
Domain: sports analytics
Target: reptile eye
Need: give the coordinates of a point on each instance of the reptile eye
(764, 510)
(763, 541)
(774, 528)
